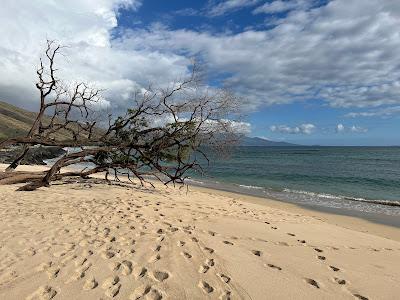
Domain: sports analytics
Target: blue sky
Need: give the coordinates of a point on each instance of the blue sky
(195, 15)
(308, 71)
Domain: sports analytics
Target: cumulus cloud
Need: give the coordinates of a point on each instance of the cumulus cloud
(86, 27)
(239, 127)
(228, 6)
(340, 128)
(301, 129)
(345, 53)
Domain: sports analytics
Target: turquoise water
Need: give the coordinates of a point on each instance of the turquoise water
(362, 178)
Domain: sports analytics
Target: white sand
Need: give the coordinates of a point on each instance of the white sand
(86, 241)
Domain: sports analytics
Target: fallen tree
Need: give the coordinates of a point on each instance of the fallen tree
(164, 133)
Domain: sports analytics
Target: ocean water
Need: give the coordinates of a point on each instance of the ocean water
(356, 178)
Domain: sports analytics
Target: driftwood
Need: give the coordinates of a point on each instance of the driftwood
(164, 134)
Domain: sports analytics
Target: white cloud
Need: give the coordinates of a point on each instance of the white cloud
(85, 26)
(225, 125)
(340, 128)
(240, 127)
(381, 112)
(301, 129)
(280, 6)
(345, 53)
(227, 6)
(358, 129)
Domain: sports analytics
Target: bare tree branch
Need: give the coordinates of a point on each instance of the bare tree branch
(164, 134)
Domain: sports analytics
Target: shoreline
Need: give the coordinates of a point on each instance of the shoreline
(90, 240)
(379, 213)
(380, 227)
(379, 224)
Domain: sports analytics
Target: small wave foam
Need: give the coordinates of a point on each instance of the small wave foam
(329, 196)
(293, 195)
(382, 202)
(250, 187)
(194, 181)
(320, 195)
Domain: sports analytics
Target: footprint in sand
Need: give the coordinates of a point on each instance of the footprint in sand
(301, 241)
(112, 291)
(339, 281)
(139, 272)
(181, 243)
(291, 234)
(225, 295)
(154, 294)
(334, 269)
(53, 272)
(227, 243)
(210, 262)
(274, 267)
(256, 252)
(187, 255)
(320, 257)
(206, 288)
(204, 269)
(90, 284)
(108, 254)
(360, 297)
(126, 267)
(160, 275)
(114, 266)
(111, 281)
(318, 250)
(312, 282)
(154, 258)
(209, 250)
(224, 278)
(275, 228)
(142, 291)
(80, 261)
(156, 248)
(43, 292)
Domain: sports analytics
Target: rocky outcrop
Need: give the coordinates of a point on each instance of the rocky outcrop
(35, 156)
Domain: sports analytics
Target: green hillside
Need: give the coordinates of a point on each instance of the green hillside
(14, 121)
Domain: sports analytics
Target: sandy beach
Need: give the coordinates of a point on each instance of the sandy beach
(98, 241)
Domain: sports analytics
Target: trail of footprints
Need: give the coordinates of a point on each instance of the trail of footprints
(93, 236)
(320, 257)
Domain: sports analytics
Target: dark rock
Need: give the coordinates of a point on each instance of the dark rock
(35, 155)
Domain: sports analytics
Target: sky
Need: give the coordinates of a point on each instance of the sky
(323, 72)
